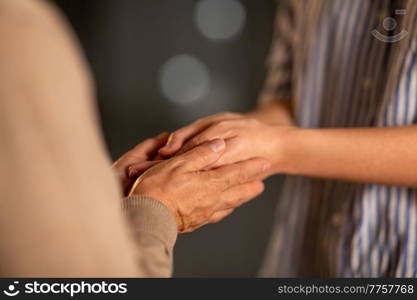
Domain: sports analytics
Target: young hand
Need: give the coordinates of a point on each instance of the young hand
(245, 138)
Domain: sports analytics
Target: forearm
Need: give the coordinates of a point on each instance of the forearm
(277, 112)
(154, 231)
(374, 155)
(59, 210)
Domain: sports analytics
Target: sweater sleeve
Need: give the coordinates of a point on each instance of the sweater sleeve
(154, 231)
(60, 213)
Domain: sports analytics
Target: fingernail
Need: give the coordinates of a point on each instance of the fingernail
(266, 166)
(217, 145)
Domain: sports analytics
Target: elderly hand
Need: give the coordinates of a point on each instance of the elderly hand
(245, 138)
(138, 160)
(197, 196)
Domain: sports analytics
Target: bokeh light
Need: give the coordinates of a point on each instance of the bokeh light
(220, 19)
(184, 79)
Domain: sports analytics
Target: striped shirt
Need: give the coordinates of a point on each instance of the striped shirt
(328, 60)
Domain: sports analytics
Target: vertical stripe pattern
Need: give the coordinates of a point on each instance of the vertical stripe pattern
(338, 74)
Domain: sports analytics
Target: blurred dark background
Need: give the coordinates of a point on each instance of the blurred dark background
(160, 64)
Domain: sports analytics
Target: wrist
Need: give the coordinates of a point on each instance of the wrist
(174, 210)
(138, 190)
(151, 216)
(172, 207)
(290, 146)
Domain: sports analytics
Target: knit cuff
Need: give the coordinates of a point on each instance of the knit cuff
(151, 216)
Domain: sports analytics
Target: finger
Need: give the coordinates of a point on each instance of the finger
(240, 194)
(159, 157)
(201, 156)
(137, 169)
(238, 173)
(141, 152)
(224, 129)
(210, 133)
(178, 138)
(149, 148)
(220, 215)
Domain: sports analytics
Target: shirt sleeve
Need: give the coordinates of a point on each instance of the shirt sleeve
(279, 63)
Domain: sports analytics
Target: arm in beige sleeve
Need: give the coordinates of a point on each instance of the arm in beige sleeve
(60, 211)
(154, 231)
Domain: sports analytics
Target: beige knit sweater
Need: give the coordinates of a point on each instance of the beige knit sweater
(60, 209)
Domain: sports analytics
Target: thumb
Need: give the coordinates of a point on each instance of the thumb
(202, 156)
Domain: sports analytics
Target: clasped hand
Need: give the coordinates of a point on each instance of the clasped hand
(203, 171)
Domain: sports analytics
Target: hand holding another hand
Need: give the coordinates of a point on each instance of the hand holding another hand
(138, 160)
(198, 196)
(215, 164)
(195, 193)
(245, 138)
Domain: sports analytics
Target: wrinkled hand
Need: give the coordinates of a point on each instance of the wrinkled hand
(138, 160)
(245, 138)
(198, 196)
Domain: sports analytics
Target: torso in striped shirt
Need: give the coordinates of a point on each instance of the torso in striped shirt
(338, 74)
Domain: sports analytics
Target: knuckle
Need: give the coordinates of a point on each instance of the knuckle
(199, 152)
(197, 140)
(177, 162)
(221, 182)
(241, 174)
(176, 172)
(226, 182)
